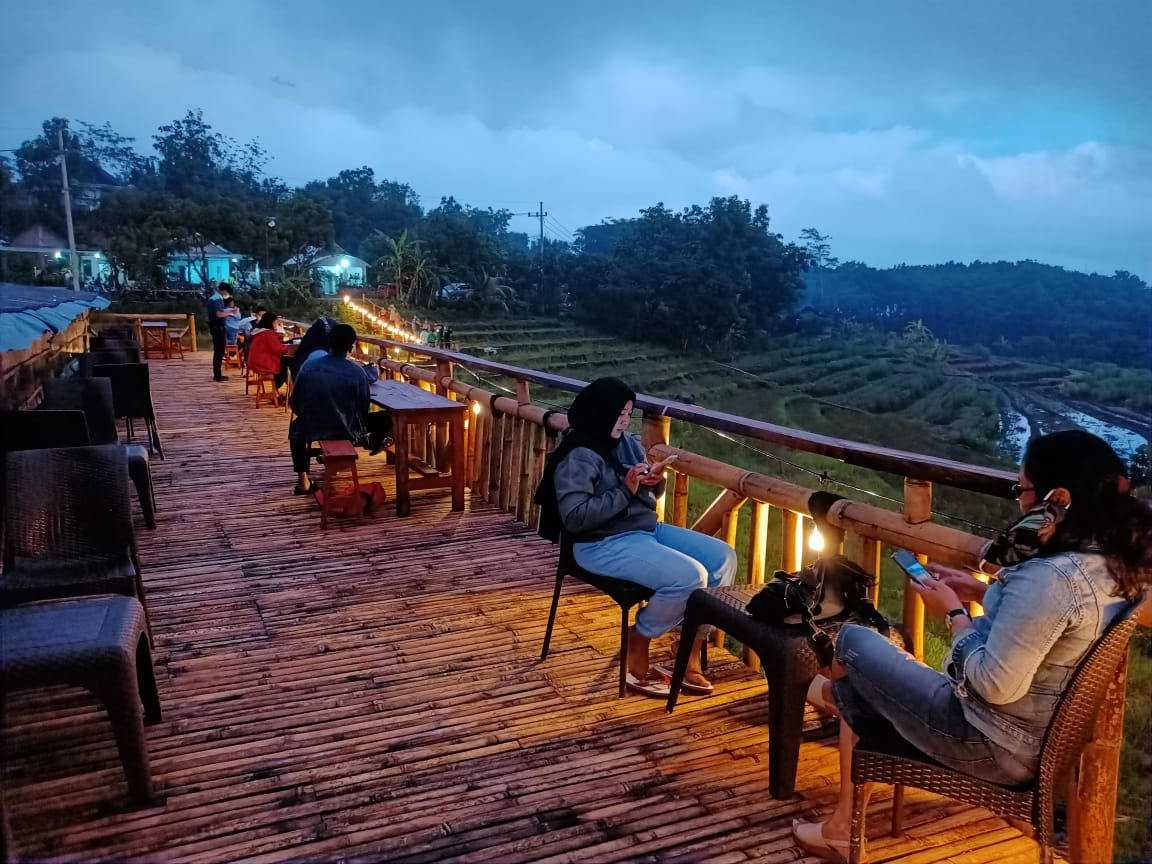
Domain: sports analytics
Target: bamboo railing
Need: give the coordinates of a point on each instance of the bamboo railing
(507, 443)
(134, 319)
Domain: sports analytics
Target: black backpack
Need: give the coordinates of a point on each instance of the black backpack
(830, 587)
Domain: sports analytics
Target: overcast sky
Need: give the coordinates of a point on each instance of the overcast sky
(912, 131)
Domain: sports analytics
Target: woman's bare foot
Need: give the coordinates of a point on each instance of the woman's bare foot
(638, 646)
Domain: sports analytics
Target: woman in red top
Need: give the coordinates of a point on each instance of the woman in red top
(266, 349)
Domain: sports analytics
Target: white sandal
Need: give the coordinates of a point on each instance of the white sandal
(809, 836)
(815, 697)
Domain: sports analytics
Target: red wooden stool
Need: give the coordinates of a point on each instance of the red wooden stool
(338, 456)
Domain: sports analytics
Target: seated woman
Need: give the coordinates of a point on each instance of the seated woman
(330, 401)
(1070, 566)
(316, 338)
(266, 349)
(607, 502)
(231, 323)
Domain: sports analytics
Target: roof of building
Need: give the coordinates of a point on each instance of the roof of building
(27, 312)
(37, 238)
(317, 257)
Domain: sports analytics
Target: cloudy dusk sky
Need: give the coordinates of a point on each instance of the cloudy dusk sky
(912, 131)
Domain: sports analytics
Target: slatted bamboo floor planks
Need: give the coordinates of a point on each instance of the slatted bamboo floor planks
(374, 693)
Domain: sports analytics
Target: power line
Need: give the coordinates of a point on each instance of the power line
(825, 479)
(563, 227)
(559, 229)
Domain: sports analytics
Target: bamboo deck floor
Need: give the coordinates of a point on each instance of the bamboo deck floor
(374, 693)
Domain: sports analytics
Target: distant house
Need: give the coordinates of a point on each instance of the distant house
(188, 268)
(88, 194)
(53, 254)
(332, 270)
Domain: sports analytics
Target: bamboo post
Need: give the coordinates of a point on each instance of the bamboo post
(192, 330)
(525, 485)
(473, 432)
(484, 456)
(732, 524)
(758, 543)
(522, 469)
(540, 441)
(656, 430)
(917, 509)
(757, 552)
(866, 552)
(507, 458)
(1092, 810)
(680, 500)
(440, 434)
(791, 543)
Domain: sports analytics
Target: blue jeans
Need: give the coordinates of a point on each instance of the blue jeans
(671, 561)
(886, 686)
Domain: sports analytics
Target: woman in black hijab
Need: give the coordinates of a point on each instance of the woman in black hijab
(606, 495)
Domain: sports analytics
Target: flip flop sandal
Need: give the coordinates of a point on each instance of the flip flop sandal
(686, 685)
(809, 836)
(657, 687)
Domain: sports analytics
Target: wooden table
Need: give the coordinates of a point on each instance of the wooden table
(411, 408)
(154, 337)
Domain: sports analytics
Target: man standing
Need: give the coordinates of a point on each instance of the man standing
(217, 312)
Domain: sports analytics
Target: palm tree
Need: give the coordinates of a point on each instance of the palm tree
(398, 260)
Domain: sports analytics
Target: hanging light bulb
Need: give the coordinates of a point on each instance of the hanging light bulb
(816, 539)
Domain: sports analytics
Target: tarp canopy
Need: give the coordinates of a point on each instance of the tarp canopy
(27, 312)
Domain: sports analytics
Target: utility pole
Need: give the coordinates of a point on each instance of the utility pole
(540, 214)
(73, 257)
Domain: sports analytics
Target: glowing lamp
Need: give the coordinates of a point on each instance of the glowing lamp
(816, 539)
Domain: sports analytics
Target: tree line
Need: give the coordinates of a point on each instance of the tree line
(706, 278)
(710, 278)
(1023, 309)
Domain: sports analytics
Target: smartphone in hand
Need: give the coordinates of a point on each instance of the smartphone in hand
(660, 466)
(908, 563)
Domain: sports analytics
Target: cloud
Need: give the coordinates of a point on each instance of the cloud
(822, 121)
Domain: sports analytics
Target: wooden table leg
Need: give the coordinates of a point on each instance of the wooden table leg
(403, 494)
(459, 457)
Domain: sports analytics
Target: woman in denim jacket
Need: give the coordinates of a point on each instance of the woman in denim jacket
(1075, 560)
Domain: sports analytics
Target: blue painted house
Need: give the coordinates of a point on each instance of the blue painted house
(211, 264)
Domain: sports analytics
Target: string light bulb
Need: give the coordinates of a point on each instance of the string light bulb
(816, 539)
(476, 408)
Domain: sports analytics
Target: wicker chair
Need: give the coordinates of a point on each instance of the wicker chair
(626, 595)
(132, 397)
(93, 396)
(101, 644)
(36, 430)
(121, 354)
(67, 527)
(114, 339)
(891, 760)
